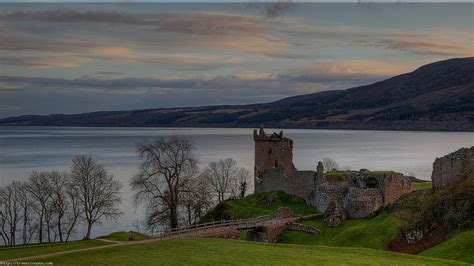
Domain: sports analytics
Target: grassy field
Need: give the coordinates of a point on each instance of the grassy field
(32, 250)
(459, 247)
(370, 233)
(123, 236)
(220, 251)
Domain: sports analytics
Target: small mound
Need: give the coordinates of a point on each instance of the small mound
(459, 247)
(371, 233)
(124, 236)
(258, 204)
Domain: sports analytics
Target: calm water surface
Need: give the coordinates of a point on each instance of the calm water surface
(24, 149)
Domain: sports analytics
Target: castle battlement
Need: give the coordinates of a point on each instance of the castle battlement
(260, 135)
(272, 152)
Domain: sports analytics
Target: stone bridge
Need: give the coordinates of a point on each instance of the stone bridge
(229, 228)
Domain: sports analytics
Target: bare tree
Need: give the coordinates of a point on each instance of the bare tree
(39, 188)
(11, 211)
(240, 187)
(225, 178)
(27, 205)
(73, 213)
(59, 199)
(168, 166)
(197, 199)
(98, 191)
(330, 164)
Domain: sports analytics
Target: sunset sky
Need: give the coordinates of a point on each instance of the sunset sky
(71, 58)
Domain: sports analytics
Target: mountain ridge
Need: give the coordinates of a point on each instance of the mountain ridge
(436, 96)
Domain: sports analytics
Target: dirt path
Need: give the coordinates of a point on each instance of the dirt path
(53, 254)
(202, 232)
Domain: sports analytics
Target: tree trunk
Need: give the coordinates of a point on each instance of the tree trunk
(173, 217)
(88, 234)
(60, 230)
(40, 233)
(25, 222)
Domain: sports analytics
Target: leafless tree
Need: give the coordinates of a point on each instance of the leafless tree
(73, 213)
(40, 189)
(98, 191)
(11, 212)
(225, 178)
(239, 189)
(27, 205)
(197, 199)
(59, 199)
(168, 166)
(330, 164)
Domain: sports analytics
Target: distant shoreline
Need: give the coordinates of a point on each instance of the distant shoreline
(267, 125)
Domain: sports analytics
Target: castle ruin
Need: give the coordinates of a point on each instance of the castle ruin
(452, 165)
(358, 193)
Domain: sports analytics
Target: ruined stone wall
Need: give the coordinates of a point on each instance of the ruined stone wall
(272, 151)
(393, 186)
(298, 183)
(451, 165)
(326, 193)
(362, 202)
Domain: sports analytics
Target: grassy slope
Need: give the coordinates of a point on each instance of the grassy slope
(459, 247)
(32, 250)
(371, 233)
(123, 236)
(219, 251)
(254, 206)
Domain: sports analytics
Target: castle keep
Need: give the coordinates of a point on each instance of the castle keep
(357, 193)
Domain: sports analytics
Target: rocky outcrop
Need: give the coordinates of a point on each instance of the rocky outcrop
(334, 215)
(451, 165)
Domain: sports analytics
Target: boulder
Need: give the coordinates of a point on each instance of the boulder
(334, 215)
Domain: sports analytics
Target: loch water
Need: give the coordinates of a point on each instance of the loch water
(24, 149)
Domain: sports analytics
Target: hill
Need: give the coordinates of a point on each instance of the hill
(258, 204)
(437, 96)
(459, 247)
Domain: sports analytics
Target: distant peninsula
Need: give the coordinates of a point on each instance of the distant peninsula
(438, 97)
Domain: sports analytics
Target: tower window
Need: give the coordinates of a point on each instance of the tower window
(270, 151)
(276, 164)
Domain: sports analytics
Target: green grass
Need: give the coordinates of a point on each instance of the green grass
(335, 176)
(243, 234)
(255, 205)
(370, 233)
(32, 250)
(221, 251)
(123, 236)
(419, 185)
(459, 247)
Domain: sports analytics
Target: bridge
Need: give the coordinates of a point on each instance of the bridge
(213, 228)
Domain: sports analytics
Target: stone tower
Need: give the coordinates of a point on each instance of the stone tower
(272, 152)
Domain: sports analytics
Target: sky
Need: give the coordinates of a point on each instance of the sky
(75, 58)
